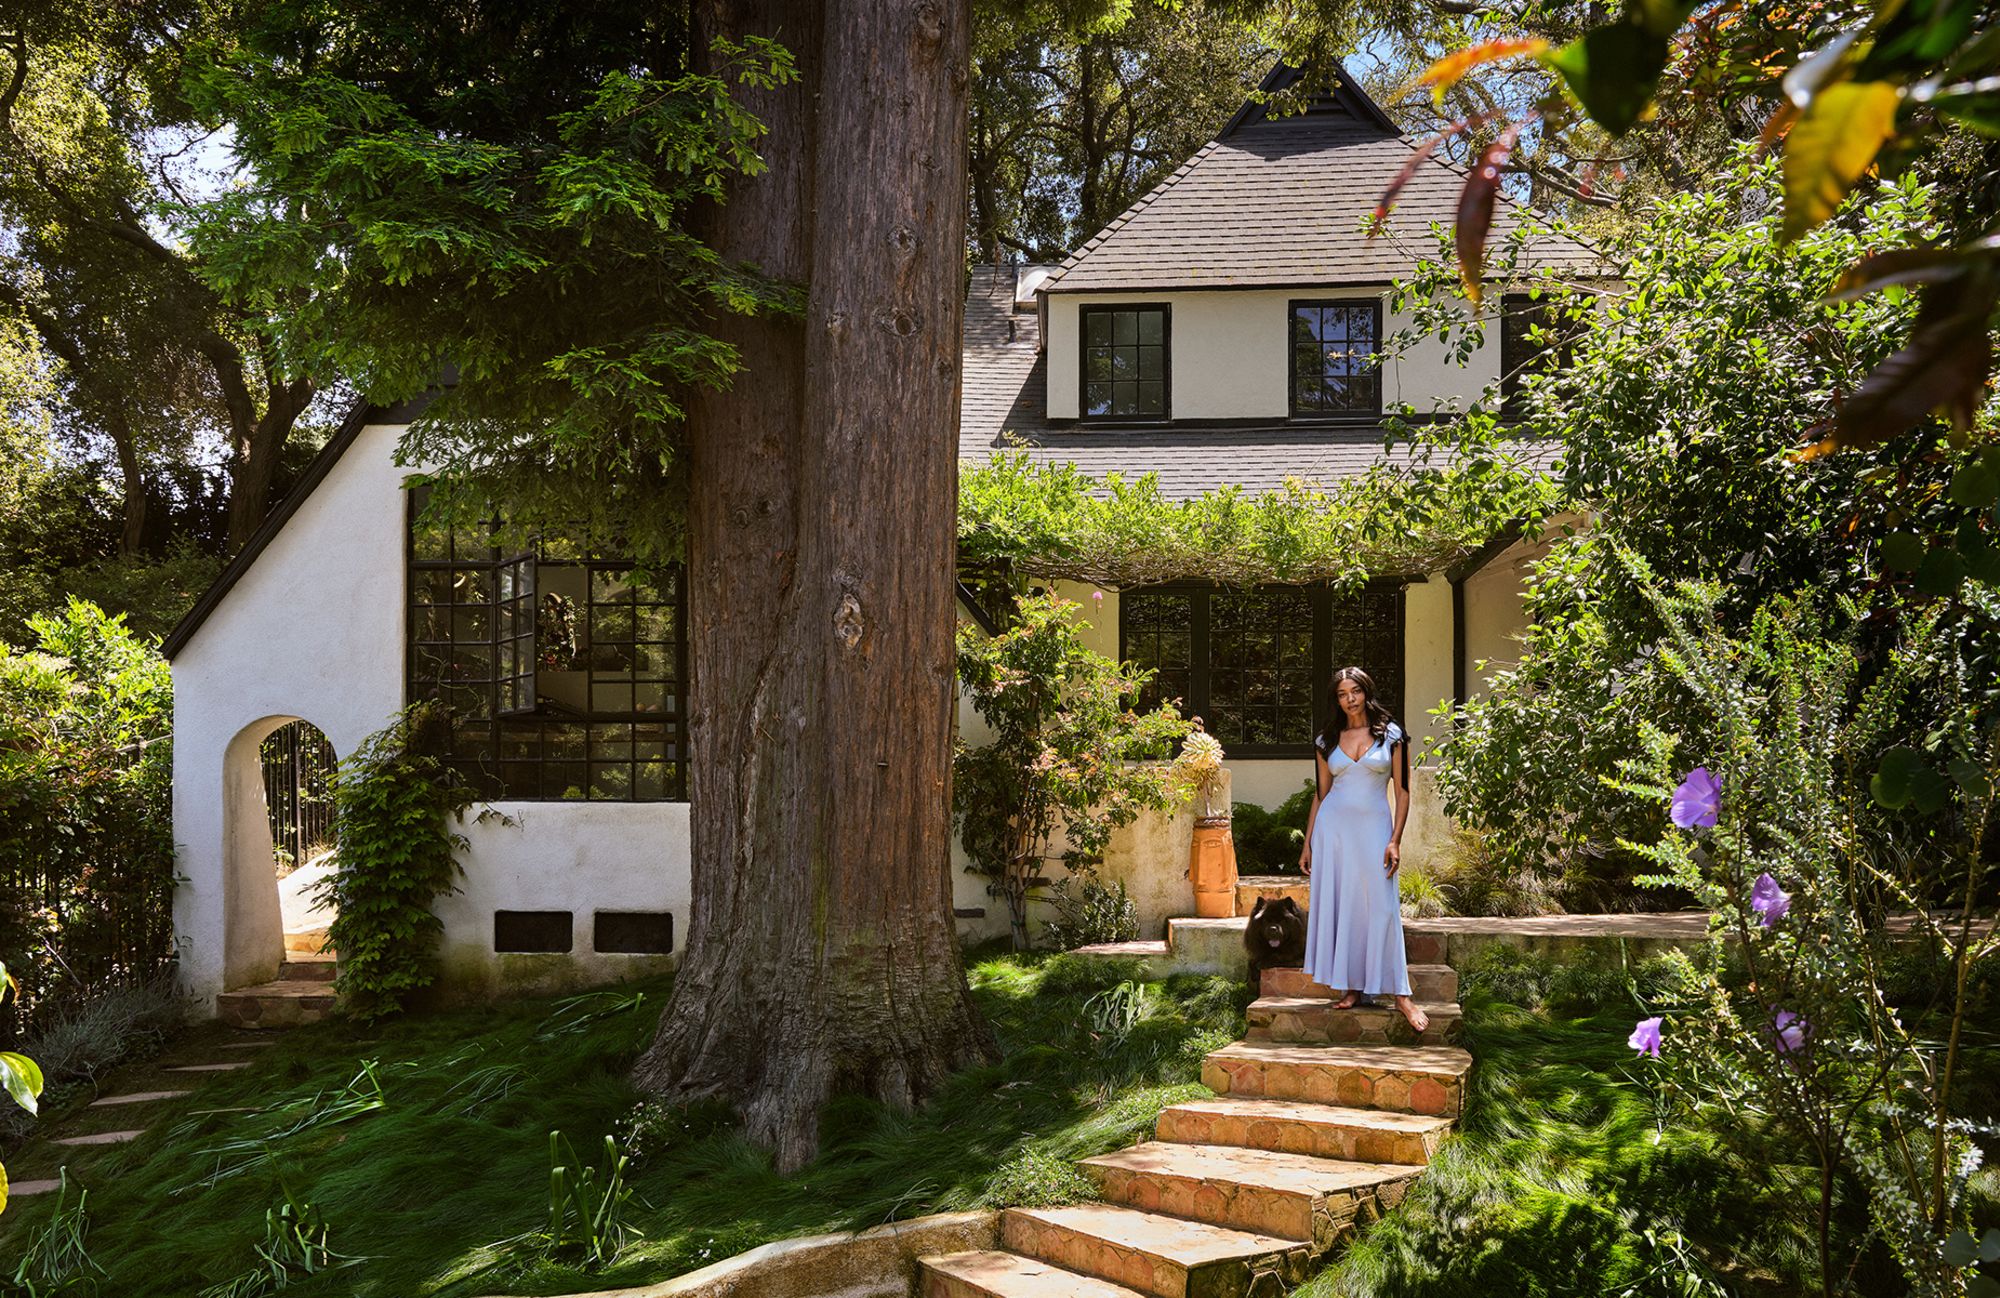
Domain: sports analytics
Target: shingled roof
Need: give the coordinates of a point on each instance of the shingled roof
(1280, 202)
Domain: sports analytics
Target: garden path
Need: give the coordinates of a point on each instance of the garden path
(1321, 1121)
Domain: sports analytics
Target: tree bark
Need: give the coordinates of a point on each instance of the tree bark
(258, 441)
(822, 957)
(132, 534)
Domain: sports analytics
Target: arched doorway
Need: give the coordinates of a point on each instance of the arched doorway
(278, 837)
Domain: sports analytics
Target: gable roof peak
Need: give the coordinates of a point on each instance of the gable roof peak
(1346, 97)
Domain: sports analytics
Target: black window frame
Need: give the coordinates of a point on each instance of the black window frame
(1327, 607)
(499, 743)
(1322, 414)
(1083, 381)
(1519, 313)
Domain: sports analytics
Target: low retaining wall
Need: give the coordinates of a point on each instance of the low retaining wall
(876, 1263)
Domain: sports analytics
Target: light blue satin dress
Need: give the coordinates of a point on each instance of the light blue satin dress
(1354, 914)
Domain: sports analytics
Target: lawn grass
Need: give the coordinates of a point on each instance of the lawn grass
(429, 1185)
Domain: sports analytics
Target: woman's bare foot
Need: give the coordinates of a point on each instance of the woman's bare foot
(1348, 1001)
(1414, 1013)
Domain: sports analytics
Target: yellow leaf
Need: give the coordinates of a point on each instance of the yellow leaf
(1440, 75)
(1833, 143)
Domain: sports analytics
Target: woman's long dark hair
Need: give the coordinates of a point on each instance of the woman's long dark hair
(1335, 720)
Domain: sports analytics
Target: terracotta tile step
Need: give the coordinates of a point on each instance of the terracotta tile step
(1167, 1257)
(1314, 1020)
(987, 1273)
(1252, 886)
(1301, 1127)
(1411, 1079)
(275, 1004)
(1428, 982)
(1316, 1200)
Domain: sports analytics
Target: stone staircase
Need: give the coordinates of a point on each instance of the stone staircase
(1322, 1120)
(301, 993)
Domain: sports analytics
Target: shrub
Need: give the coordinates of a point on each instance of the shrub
(1476, 880)
(395, 805)
(1268, 841)
(1036, 1178)
(1068, 756)
(1089, 912)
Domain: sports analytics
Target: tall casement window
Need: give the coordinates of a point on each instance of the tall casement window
(1253, 663)
(1334, 372)
(1125, 362)
(1522, 351)
(562, 665)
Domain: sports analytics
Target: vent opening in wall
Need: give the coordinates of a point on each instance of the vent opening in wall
(532, 930)
(634, 932)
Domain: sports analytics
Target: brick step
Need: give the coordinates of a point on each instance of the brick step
(1317, 1200)
(1428, 982)
(1252, 886)
(1411, 1079)
(307, 967)
(275, 1005)
(988, 1273)
(1167, 1257)
(1313, 1020)
(1301, 1127)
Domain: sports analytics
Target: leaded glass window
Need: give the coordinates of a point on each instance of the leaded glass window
(1333, 366)
(1254, 662)
(1125, 362)
(562, 665)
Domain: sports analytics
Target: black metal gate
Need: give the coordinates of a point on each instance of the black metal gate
(298, 792)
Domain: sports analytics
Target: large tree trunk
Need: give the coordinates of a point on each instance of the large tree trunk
(257, 440)
(821, 954)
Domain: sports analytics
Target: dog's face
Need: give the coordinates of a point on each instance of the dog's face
(1274, 921)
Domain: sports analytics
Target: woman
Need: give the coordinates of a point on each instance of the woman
(1354, 915)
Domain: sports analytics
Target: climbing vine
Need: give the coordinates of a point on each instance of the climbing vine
(396, 805)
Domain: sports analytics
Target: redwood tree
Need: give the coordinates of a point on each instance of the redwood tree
(822, 509)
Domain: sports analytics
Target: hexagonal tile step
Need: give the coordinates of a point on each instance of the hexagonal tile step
(275, 1004)
(1167, 1257)
(1292, 1196)
(988, 1273)
(1412, 1079)
(1301, 1127)
(1314, 1020)
(1428, 982)
(308, 967)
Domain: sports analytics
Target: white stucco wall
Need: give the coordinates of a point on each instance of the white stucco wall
(1228, 354)
(314, 630)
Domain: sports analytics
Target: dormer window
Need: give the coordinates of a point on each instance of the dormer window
(1125, 362)
(1334, 372)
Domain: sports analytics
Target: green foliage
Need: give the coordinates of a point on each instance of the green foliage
(653, 1128)
(1036, 1178)
(294, 1248)
(1067, 756)
(1785, 722)
(56, 1258)
(1671, 427)
(86, 848)
(1056, 522)
(520, 213)
(587, 1205)
(1268, 842)
(395, 806)
(1087, 912)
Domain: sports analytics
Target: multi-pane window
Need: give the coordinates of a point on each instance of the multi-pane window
(562, 665)
(1254, 663)
(1333, 366)
(1125, 362)
(1524, 346)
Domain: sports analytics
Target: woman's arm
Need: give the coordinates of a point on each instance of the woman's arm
(1399, 779)
(1321, 778)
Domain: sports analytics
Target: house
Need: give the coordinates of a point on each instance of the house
(1218, 332)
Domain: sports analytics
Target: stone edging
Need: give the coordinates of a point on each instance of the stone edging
(880, 1262)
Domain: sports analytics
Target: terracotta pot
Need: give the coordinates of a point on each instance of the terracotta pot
(1212, 866)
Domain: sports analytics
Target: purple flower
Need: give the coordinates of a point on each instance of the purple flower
(1769, 900)
(1645, 1038)
(1791, 1031)
(1697, 801)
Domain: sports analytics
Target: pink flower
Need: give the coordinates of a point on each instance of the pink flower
(1769, 900)
(1697, 801)
(1645, 1037)
(1097, 598)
